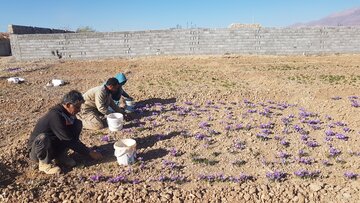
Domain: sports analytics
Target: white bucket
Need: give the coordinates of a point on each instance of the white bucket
(125, 151)
(130, 105)
(115, 121)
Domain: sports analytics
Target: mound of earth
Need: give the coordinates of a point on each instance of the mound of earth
(4, 36)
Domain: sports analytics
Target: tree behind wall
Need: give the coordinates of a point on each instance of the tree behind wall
(85, 29)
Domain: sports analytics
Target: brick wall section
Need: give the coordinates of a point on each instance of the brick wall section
(271, 41)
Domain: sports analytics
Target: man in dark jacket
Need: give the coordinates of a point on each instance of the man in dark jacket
(58, 131)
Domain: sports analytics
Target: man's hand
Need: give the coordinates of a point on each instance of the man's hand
(95, 155)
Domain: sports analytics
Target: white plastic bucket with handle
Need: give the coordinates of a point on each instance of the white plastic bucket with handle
(125, 151)
(130, 105)
(115, 121)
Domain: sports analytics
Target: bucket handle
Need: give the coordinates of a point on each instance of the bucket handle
(121, 152)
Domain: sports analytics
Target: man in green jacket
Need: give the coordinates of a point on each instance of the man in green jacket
(97, 102)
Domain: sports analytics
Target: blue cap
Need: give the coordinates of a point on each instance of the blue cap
(121, 78)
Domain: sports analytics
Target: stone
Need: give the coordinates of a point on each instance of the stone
(247, 197)
(315, 187)
(346, 195)
(301, 198)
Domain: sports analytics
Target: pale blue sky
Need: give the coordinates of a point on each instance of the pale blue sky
(130, 15)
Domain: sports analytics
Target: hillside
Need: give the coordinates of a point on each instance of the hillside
(350, 17)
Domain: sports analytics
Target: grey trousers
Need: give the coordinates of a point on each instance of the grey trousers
(41, 149)
(44, 149)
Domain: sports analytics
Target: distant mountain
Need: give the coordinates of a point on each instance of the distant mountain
(350, 17)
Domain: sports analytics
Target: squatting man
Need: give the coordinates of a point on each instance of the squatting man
(57, 132)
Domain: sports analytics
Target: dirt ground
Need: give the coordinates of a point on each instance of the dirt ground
(208, 129)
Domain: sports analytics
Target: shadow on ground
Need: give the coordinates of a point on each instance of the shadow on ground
(149, 141)
(7, 175)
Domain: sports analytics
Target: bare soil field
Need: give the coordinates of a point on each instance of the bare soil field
(208, 129)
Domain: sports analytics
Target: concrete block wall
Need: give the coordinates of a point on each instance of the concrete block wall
(272, 41)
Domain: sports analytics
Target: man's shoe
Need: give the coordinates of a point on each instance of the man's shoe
(48, 168)
(65, 160)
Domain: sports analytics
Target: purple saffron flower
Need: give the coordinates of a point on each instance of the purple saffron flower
(284, 143)
(248, 126)
(286, 121)
(174, 152)
(160, 137)
(328, 138)
(169, 164)
(266, 112)
(326, 163)
(239, 145)
(329, 133)
(276, 176)
(341, 137)
(353, 97)
(284, 155)
(227, 127)
(13, 69)
(339, 123)
(96, 178)
(262, 136)
(334, 152)
(305, 114)
(117, 179)
(105, 138)
(297, 128)
(204, 124)
(346, 129)
(213, 132)
(355, 103)
(303, 173)
(304, 137)
(314, 122)
(312, 143)
(328, 117)
(188, 103)
(269, 125)
(177, 178)
(350, 175)
(336, 98)
(244, 177)
(251, 110)
(239, 126)
(306, 160)
(162, 178)
(286, 131)
(266, 131)
(199, 136)
(136, 181)
(302, 153)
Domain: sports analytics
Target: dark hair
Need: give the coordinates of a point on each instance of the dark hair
(72, 97)
(112, 81)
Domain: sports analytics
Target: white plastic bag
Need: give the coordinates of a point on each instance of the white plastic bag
(16, 80)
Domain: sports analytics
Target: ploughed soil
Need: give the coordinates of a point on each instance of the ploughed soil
(208, 129)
